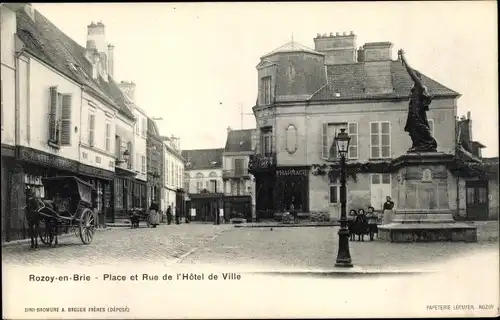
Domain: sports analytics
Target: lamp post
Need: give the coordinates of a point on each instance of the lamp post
(343, 256)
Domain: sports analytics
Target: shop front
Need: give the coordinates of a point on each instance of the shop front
(123, 188)
(28, 170)
(204, 207)
(292, 189)
(102, 180)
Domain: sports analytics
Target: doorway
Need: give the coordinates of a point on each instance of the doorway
(380, 187)
(477, 199)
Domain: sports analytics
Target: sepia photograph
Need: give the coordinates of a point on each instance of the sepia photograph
(249, 160)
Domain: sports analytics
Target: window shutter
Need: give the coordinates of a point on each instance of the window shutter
(324, 141)
(66, 120)
(91, 129)
(144, 126)
(53, 114)
(118, 148)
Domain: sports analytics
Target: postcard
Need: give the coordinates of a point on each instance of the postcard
(249, 160)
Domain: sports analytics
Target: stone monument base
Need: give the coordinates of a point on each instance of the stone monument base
(423, 213)
(427, 232)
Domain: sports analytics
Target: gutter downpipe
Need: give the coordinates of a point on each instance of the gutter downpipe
(457, 144)
(17, 111)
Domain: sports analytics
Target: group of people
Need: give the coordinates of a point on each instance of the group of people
(363, 223)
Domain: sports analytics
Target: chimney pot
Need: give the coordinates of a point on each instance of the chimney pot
(468, 115)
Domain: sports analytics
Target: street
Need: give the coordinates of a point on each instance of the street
(311, 248)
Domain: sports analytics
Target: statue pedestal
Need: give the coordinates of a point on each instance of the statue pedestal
(423, 213)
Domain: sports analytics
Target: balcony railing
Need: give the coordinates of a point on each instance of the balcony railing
(235, 174)
(260, 162)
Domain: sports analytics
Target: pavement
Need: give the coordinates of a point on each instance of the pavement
(308, 248)
(164, 244)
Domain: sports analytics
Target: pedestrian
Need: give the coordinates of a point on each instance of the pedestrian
(350, 220)
(169, 215)
(372, 222)
(387, 210)
(177, 213)
(153, 215)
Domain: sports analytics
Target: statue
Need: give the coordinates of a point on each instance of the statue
(416, 123)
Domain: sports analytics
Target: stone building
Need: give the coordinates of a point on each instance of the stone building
(238, 182)
(305, 96)
(155, 166)
(62, 114)
(203, 183)
(173, 192)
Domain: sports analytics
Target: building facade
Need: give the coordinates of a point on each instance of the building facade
(173, 192)
(239, 186)
(204, 183)
(155, 167)
(306, 96)
(138, 155)
(63, 109)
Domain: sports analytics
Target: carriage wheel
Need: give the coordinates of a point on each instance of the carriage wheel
(45, 234)
(87, 225)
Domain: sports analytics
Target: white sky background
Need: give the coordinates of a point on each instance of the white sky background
(187, 59)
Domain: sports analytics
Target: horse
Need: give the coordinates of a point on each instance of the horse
(33, 218)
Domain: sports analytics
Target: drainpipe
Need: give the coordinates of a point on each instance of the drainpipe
(17, 111)
(457, 144)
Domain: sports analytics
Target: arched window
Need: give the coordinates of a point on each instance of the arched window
(199, 182)
(212, 174)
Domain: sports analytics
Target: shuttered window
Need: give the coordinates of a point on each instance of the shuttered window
(324, 141)
(352, 129)
(53, 102)
(66, 120)
(91, 129)
(131, 158)
(108, 137)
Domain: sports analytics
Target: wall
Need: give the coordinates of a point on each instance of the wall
(308, 123)
(462, 212)
(97, 156)
(140, 145)
(7, 74)
(125, 130)
(173, 176)
(206, 178)
(35, 82)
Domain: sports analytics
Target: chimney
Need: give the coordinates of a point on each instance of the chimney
(468, 115)
(95, 64)
(111, 60)
(128, 88)
(229, 129)
(378, 51)
(338, 49)
(96, 40)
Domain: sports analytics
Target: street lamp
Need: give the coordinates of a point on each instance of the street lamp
(343, 255)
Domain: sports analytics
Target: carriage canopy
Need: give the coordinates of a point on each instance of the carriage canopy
(69, 186)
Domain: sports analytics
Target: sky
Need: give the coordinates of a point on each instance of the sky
(194, 63)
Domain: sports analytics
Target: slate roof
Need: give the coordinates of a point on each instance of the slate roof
(292, 47)
(46, 42)
(239, 141)
(351, 80)
(202, 159)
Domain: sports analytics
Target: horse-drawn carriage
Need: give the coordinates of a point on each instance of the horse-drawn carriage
(70, 207)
